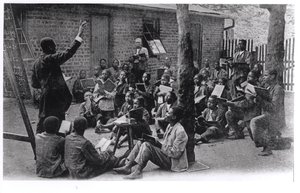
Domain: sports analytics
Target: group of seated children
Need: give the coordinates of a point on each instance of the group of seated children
(77, 157)
(217, 115)
(258, 106)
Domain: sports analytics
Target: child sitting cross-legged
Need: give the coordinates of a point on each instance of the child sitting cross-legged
(139, 125)
(212, 122)
(126, 107)
(88, 109)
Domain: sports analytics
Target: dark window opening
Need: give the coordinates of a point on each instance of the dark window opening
(151, 40)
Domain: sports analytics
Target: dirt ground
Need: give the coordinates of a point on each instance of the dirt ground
(227, 159)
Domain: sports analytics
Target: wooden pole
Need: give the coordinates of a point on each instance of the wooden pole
(275, 52)
(186, 72)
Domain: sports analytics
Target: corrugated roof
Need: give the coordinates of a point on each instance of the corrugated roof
(194, 8)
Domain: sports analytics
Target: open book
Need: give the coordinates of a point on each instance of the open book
(65, 128)
(165, 89)
(218, 90)
(109, 86)
(121, 120)
(103, 144)
(87, 83)
(255, 90)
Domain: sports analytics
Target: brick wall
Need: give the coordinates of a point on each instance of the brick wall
(61, 22)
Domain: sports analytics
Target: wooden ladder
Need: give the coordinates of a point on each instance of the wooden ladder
(12, 56)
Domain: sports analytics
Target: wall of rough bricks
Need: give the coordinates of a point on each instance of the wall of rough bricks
(61, 23)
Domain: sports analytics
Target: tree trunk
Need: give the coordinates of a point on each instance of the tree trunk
(275, 45)
(185, 75)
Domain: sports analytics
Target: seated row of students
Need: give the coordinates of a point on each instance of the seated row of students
(109, 103)
(217, 118)
(75, 155)
(114, 71)
(263, 116)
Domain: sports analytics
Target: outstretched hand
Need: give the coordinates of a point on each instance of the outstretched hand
(81, 28)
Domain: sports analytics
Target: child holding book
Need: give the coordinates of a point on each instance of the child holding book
(148, 93)
(126, 107)
(78, 90)
(200, 92)
(120, 90)
(139, 125)
(81, 157)
(88, 109)
(212, 122)
(158, 94)
(161, 114)
(243, 110)
(103, 98)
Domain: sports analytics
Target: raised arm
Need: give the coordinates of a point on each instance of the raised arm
(61, 57)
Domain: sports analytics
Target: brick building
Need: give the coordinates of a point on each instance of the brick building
(113, 28)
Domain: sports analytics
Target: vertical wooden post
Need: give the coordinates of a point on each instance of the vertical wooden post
(293, 65)
(186, 72)
(275, 54)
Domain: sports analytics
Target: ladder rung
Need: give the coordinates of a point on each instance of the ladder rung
(27, 59)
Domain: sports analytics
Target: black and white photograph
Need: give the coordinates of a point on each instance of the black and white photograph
(148, 92)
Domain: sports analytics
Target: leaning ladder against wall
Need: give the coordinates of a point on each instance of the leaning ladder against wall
(12, 58)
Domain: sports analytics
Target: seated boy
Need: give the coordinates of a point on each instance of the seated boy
(160, 122)
(148, 94)
(200, 90)
(121, 88)
(78, 90)
(126, 107)
(158, 95)
(106, 99)
(81, 157)
(140, 126)
(50, 150)
(243, 110)
(212, 123)
(88, 109)
(170, 156)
